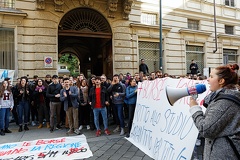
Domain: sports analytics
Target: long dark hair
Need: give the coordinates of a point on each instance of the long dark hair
(20, 87)
(130, 80)
(2, 88)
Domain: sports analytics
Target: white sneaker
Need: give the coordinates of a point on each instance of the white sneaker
(117, 129)
(88, 127)
(81, 127)
(77, 132)
(33, 123)
(70, 131)
(198, 142)
(122, 132)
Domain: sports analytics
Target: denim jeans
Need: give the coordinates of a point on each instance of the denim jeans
(23, 110)
(119, 109)
(4, 118)
(103, 112)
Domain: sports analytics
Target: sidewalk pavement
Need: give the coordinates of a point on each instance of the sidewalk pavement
(112, 147)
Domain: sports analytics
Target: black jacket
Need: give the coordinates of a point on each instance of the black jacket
(143, 68)
(36, 96)
(104, 96)
(194, 68)
(54, 89)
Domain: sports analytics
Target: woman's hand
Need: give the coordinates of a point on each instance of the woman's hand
(192, 102)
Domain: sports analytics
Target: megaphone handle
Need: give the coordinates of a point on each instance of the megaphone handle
(194, 96)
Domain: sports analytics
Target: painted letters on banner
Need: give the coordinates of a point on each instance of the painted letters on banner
(75, 147)
(5, 73)
(160, 130)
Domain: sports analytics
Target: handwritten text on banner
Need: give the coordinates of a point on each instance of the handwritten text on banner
(160, 130)
(58, 148)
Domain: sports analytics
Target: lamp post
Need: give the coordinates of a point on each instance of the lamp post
(160, 35)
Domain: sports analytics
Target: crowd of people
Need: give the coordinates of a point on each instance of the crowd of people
(78, 102)
(73, 102)
(68, 102)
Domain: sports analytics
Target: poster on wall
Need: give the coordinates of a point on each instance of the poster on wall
(160, 130)
(48, 62)
(5, 73)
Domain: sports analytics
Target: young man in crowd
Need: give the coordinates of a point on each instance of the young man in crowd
(53, 93)
(98, 99)
(69, 96)
(143, 67)
(117, 90)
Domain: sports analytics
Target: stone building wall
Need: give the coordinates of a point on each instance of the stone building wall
(36, 32)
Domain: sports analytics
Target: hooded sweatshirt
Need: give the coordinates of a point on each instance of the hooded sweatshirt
(221, 120)
(6, 101)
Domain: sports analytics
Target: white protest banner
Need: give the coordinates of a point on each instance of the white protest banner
(75, 147)
(5, 73)
(160, 130)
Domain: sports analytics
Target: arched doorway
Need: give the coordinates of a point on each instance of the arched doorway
(86, 33)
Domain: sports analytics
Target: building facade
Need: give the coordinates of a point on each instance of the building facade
(111, 36)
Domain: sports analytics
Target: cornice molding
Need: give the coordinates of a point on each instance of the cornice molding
(200, 32)
(139, 25)
(12, 12)
(228, 36)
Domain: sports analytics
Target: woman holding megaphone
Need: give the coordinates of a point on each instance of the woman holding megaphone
(220, 124)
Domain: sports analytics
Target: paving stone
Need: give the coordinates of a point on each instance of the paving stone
(116, 146)
(110, 152)
(105, 147)
(123, 158)
(104, 157)
(140, 153)
(133, 148)
(116, 156)
(129, 154)
(136, 158)
(98, 153)
(146, 157)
